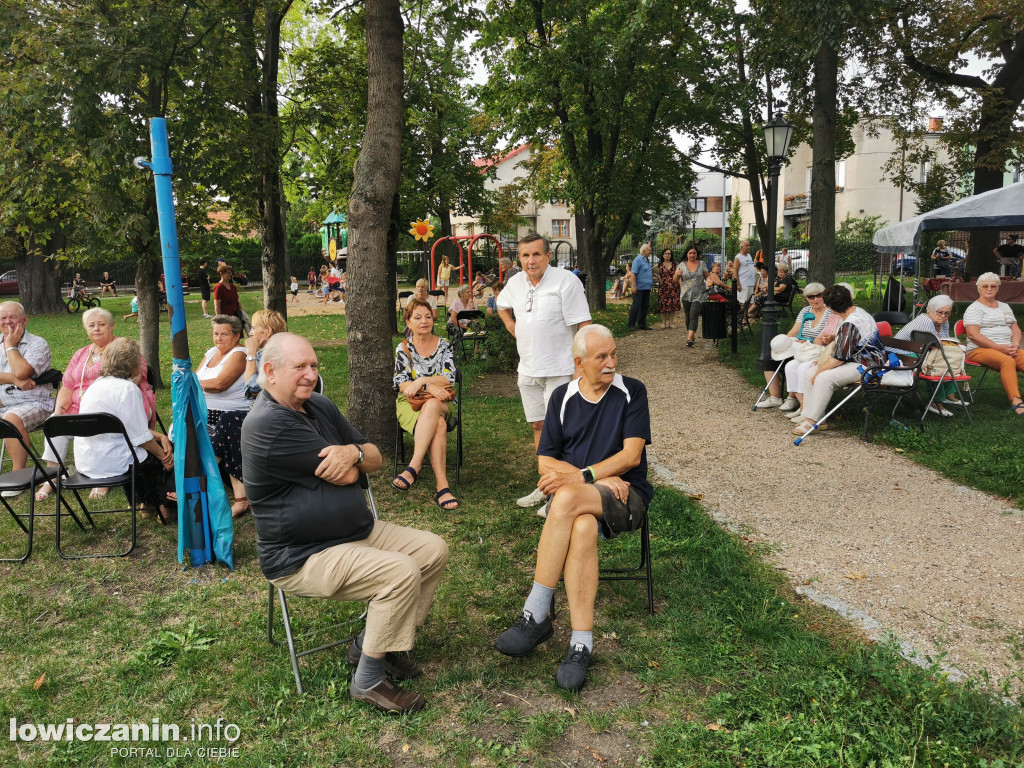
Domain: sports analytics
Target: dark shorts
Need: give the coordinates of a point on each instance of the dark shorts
(204, 291)
(617, 517)
(773, 365)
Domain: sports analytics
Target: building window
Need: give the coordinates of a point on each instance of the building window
(560, 227)
(840, 174)
(701, 204)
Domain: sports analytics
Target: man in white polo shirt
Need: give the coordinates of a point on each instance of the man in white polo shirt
(543, 306)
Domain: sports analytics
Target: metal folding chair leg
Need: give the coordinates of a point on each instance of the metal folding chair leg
(289, 640)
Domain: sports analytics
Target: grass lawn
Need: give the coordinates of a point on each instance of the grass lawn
(733, 670)
(988, 455)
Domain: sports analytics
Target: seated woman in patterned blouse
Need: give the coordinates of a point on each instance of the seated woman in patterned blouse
(425, 363)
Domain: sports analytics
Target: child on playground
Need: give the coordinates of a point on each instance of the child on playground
(311, 279)
(295, 288)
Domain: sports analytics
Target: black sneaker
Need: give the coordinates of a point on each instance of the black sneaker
(572, 672)
(523, 636)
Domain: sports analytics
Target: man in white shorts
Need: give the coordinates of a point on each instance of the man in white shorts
(543, 306)
(23, 403)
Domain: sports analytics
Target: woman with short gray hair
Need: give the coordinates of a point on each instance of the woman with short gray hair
(993, 338)
(82, 370)
(934, 320)
(117, 391)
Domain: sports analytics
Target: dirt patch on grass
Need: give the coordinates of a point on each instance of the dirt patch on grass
(342, 342)
(495, 385)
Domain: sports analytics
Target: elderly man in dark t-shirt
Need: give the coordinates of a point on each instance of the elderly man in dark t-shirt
(592, 458)
(317, 537)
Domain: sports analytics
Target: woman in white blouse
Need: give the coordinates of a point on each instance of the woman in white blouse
(993, 338)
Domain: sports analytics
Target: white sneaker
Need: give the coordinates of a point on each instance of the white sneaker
(11, 494)
(771, 402)
(791, 404)
(543, 511)
(532, 499)
(796, 416)
(207, 316)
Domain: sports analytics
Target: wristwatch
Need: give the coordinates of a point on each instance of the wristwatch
(588, 475)
(361, 455)
(250, 358)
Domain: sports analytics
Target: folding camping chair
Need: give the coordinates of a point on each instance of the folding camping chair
(25, 480)
(290, 637)
(958, 331)
(924, 337)
(91, 425)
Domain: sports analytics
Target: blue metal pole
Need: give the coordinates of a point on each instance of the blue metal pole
(204, 517)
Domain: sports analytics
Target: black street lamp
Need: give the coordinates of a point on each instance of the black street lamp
(777, 134)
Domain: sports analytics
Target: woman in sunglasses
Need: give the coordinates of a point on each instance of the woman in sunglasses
(816, 326)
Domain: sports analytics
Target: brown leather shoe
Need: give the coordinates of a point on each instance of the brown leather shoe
(398, 665)
(389, 697)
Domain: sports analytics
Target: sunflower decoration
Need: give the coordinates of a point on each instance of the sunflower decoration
(422, 230)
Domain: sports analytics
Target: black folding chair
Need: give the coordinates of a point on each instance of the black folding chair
(472, 334)
(282, 597)
(92, 425)
(640, 572)
(456, 424)
(25, 480)
(442, 303)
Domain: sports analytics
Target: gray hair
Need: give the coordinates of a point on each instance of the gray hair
(273, 353)
(89, 314)
(939, 301)
(812, 288)
(121, 359)
(230, 320)
(989, 277)
(579, 341)
(21, 307)
(783, 268)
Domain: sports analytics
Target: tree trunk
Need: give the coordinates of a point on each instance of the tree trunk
(823, 172)
(394, 232)
(39, 276)
(273, 232)
(593, 260)
(377, 171)
(146, 277)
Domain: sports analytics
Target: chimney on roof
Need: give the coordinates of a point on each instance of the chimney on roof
(934, 125)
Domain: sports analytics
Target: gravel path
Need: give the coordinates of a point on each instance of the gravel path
(892, 545)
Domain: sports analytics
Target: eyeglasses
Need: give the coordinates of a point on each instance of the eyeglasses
(943, 312)
(529, 300)
(812, 296)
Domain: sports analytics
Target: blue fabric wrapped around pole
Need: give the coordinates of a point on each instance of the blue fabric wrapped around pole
(204, 516)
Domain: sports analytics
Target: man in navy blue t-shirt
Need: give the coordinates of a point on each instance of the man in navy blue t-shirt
(593, 465)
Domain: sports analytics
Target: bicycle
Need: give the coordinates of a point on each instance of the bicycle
(81, 300)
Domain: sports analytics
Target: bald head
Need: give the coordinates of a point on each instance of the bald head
(288, 369)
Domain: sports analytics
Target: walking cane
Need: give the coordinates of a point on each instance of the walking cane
(766, 387)
(824, 418)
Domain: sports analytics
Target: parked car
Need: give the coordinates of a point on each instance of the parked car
(799, 259)
(903, 264)
(9, 283)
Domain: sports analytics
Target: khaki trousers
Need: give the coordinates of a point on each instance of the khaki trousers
(397, 569)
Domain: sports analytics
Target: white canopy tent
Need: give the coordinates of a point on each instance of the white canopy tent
(996, 209)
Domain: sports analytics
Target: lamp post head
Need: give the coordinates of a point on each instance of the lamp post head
(777, 135)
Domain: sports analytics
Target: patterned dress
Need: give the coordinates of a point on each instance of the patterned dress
(668, 291)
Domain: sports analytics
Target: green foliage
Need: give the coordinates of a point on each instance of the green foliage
(164, 648)
(306, 251)
(501, 345)
(585, 79)
(861, 228)
(735, 227)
